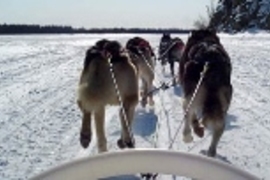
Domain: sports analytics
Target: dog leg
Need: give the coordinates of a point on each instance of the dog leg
(86, 132)
(218, 129)
(144, 93)
(150, 95)
(172, 67)
(187, 137)
(163, 64)
(197, 128)
(100, 132)
(125, 140)
(130, 114)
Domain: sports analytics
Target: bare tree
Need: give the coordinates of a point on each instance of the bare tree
(203, 22)
(211, 9)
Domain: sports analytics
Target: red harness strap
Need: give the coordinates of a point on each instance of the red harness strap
(145, 44)
(180, 45)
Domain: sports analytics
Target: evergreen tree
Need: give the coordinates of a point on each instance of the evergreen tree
(241, 15)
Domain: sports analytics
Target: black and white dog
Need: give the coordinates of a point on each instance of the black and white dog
(214, 95)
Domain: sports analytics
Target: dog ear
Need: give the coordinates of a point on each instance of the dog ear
(101, 43)
(113, 47)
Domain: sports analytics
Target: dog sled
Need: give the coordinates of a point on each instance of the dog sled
(112, 164)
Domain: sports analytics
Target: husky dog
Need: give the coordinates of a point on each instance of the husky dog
(164, 44)
(170, 51)
(97, 89)
(175, 52)
(214, 95)
(143, 57)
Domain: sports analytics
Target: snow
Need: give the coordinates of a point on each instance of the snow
(40, 121)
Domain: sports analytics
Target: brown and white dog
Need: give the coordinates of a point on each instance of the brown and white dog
(97, 89)
(143, 57)
(214, 95)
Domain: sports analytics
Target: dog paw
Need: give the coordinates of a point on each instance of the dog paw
(125, 144)
(85, 139)
(211, 152)
(199, 131)
(188, 138)
(102, 149)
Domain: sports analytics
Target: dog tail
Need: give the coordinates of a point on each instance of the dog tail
(91, 54)
(219, 68)
(95, 79)
(95, 69)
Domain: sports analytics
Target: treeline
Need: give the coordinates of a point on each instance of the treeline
(52, 29)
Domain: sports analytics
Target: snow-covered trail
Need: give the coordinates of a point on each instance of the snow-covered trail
(40, 122)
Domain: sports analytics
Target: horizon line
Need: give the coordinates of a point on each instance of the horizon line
(70, 26)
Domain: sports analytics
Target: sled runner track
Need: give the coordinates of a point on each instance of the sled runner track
(38, 94)
(37, 126)
(30, 69)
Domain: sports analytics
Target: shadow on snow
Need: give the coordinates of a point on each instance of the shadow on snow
(230, 122)
(145, 122)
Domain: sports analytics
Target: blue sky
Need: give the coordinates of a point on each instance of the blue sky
(104, 13)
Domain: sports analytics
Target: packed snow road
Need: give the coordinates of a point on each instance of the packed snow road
(40, 121)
